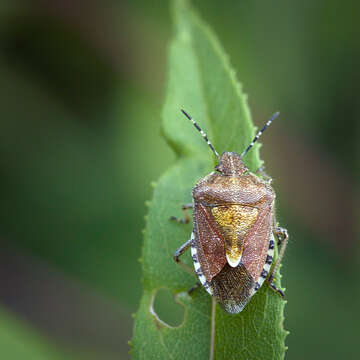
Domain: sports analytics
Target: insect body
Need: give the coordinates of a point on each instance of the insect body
(234, 233)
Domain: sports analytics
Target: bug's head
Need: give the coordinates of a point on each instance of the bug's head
(231, 164)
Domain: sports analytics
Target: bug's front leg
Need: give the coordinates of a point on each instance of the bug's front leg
(261, 171)
(283, 238)
(186, 218)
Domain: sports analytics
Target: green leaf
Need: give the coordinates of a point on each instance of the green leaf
(202, 82)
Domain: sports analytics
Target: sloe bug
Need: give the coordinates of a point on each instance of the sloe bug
(234, 229)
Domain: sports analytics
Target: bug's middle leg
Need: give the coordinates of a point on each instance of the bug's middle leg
(283, 238)
(186, 218)
(181, 250)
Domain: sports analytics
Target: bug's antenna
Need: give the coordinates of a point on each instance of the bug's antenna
(259, 133)
(201, 132)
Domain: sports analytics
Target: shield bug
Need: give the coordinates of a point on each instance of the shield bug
(234, 229)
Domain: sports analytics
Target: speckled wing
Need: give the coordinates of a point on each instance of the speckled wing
(232, 288)
(208, 242)
(257, 242)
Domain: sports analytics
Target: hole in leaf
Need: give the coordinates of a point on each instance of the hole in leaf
(167, 309)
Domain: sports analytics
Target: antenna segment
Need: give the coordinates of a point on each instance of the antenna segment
(259, 133)
(201, 132)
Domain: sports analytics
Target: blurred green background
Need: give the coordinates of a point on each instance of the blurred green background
(82, 85)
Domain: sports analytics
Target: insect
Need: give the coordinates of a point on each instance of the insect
(234, 229)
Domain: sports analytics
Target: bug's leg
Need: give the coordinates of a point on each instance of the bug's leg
(177, 254)
(263, 174)
(278, 291)
(186, 218)
(283, 238)
(197, 285)
(181, 251)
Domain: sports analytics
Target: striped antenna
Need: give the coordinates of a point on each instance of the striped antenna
(201, 132)
(259, 133)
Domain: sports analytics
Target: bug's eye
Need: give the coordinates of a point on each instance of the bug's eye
(217, 168)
